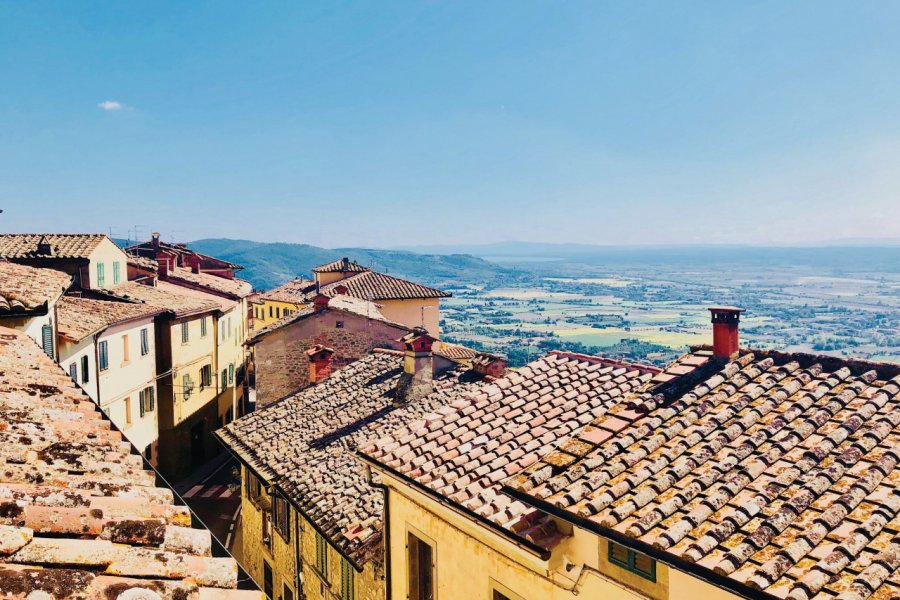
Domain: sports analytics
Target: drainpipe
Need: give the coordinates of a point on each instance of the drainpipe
(386, 531)
(97, 367)
(298, 575)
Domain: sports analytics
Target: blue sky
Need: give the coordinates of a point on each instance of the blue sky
(387, 123)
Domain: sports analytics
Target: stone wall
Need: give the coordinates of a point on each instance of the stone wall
(281, 363)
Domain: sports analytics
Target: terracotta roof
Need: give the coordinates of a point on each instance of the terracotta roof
(61, 245)
(777, 472)
(148, 249)
(463, 451)
(25, 289)
(78, 318)
(233, 288)
(454, 352)
(296, 291)
(305, 442)
(178, 300)
(143, 262)
(81, 517)
(371, 285)
(341, 265)
(340, 303)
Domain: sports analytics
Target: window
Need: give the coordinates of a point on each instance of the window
(628, 559)
(128, 410)
(339, 324)
(348, 580)
(187, 386)
(115, 272)
(202, 326)
(205, 376)
(224, 379)
(268, 585)
(231, 374)
(186, 332)
(85, 375)
(124, 348)
(148, 453)
(281, 512)
(254, 489)
(147, 401)
(420, 569)
(322, 556)
(229, 326)
(277, 313)
(145, 342)
(104, 356)
(270, 311)
(101, 276)
(73, 371)
(288, 593)
(47, 339)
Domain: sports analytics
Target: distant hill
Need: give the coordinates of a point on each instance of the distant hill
(267, 265)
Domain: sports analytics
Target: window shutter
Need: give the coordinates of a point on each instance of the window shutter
(152, 398)
(73, 371)
(47, 339)
(141, 400)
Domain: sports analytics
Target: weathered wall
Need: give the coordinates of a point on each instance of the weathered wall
(282, 366)
(425, 312)
(470, 560)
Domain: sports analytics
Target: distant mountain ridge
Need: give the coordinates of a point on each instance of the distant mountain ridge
(267, 265)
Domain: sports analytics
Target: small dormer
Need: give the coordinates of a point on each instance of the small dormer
(44, 247)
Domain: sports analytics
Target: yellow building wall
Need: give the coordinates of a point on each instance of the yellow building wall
(261, 316)
(108, 253)
(229, 353)
(188, 358)
(281, 556)
(414, 313)
(326, 278)
(471, 561)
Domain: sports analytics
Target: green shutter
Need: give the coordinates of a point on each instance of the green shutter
(47, 339)
(101, 276)
(116, 272)
(348, 582)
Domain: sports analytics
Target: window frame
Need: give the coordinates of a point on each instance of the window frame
(629, 564)
(187, 386)
(281, 516)
(103, 355)
(116, 273)
(204, 329)
(348, 580)
(185, 332)
(73, 370)
(47, 340)
(432, 571)
(85, 369)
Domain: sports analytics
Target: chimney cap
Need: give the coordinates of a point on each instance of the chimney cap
(725, 314)
(418, 339)
(725, 309)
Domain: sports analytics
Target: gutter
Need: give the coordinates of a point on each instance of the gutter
(530, 547)
(708, 575)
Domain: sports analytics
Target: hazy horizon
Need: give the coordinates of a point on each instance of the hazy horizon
(453, 123)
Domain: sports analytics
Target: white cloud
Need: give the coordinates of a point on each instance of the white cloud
(112, 105)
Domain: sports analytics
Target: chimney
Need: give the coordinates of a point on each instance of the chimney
(491, 365)
(154, 238)
(345, 264)
(194, 261)
(416, 380)
(320, 302)
(725, 321)
(341, 289)
(165, 261)
(319, 362)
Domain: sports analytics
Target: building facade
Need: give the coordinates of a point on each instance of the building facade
(109, 349)
(93, 260)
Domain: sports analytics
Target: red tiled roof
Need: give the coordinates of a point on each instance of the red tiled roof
(25, 289)
(81, 516)
(304, 444)
(371, 285)
(148, 250)
(180, 301)
(464, 450)
(777, 472)
(78, 318)
(296, 291)
(341, 265)
(340, 303)
(455, 352)
(233, 288)
(62, 245)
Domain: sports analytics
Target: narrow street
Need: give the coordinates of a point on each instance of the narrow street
(213, 493)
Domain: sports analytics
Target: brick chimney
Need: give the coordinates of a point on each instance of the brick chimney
(319, 362)
(154, 238)
(488, 364)
(320, 302)
(416, 380)
(166, 261)
(725, 321)
(194, 261)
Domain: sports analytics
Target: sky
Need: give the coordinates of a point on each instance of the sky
(394, 124)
